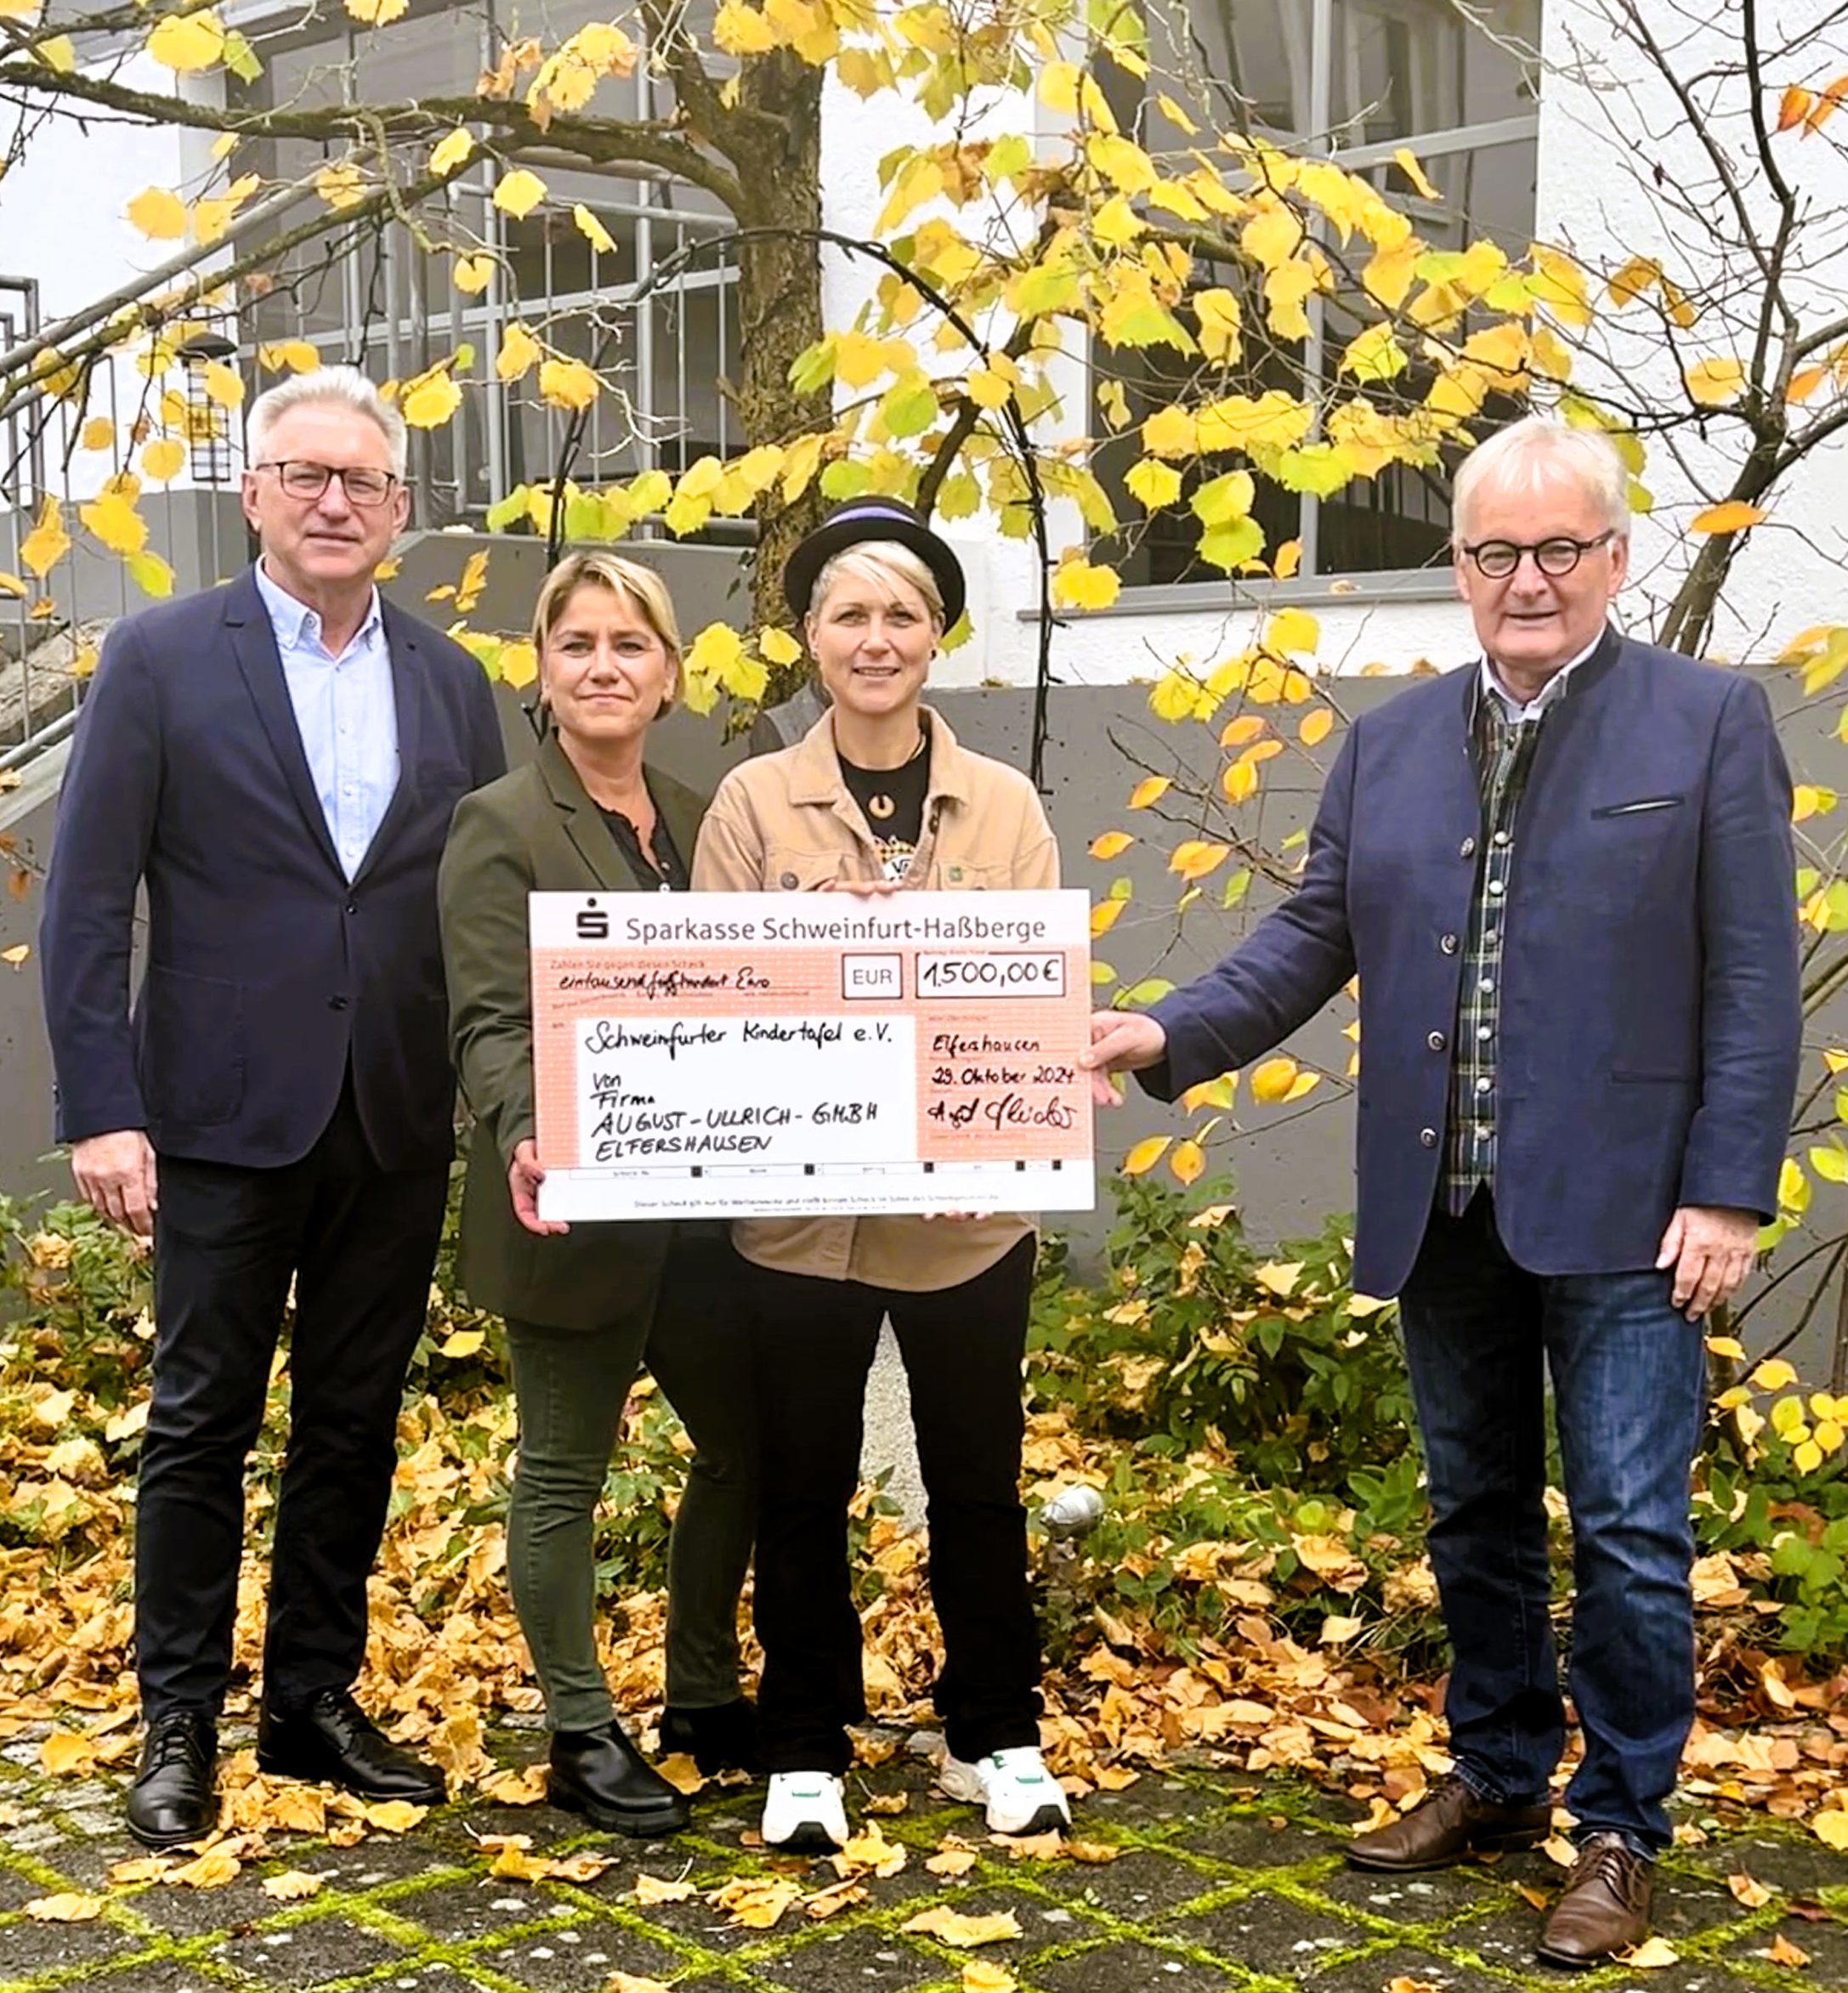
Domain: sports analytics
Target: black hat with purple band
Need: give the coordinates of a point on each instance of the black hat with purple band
(863, 519)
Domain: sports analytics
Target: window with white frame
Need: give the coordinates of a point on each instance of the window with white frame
(1357, 81)
(666, 349)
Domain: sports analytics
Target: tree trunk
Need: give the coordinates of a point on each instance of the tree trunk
(779, 310)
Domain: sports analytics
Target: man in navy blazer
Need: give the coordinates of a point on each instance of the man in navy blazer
(275, 763)
(1564, 876)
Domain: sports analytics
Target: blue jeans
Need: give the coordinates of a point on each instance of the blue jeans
(1629, 1394)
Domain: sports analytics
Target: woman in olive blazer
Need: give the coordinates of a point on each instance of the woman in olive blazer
(585, 1305)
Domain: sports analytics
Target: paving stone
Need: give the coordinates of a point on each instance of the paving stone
(1136, 1886)
(1437, 1897)
(16, 1890)
(1686, 1905)
(1255, 1841)
(28, 1949)
(310, 1953)
(1150, 1801)
(461, 1911)
(1128, 1966)
(1379, 1970)
(555, 1961)
(845, 1962)
(1270, 1933)
(1797, 1863)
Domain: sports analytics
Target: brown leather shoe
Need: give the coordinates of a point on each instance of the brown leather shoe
(1605, 1907)
(1452, 1821)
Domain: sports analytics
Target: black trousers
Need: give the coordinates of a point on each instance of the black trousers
(962, 1348)
(359, 1243)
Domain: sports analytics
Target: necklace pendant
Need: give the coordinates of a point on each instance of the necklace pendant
(880, 806)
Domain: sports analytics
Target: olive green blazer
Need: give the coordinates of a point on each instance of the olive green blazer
(535, 831)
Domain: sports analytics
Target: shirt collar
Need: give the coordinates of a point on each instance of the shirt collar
(297, 626)
(1554, 688)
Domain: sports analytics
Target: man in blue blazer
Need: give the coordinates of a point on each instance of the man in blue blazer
(275, 763)
(1564, 876)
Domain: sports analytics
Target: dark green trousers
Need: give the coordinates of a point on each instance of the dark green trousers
(571, 1386)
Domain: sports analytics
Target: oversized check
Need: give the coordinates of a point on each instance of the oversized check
(765, 1055)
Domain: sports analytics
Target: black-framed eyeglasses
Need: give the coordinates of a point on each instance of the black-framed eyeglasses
(300, 478)
(1499, 559)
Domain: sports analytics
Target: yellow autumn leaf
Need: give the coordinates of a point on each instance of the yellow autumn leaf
(1104, 916)
(224, 384)
(1144, 1156)
(1239, 782)
(292, 1885)
(593, 230)
(98, 433)
(952, 1926)
(1654, 1955)
(1774, 1374)
(622, 1981)
(1110, 844)
(739, 30)
(452, 149)
(115, 522)
(1407, 162)
(1291, 631)
(431, 402)
(1271, 1081)
(518, 351)
(341, 185)
(215, 1869)
(295, 356)
(67, 1907)
(1195, 857)
(187, 42)
(1150, 789)
(520, 664)
(568, 383)
(464, 1343)
(395, 1816)
(1316, 726)
(653, 1890)
(48, 542)
(16, 954)
(981, 1975)
(757, 1905)
(159, 213)
(778, 646)
(1187, 1162)
(1713, 382)
(151, 574)
(1076, 584)
(1830, 1827)
(472, 273)
(519, 193)
(1734, 516)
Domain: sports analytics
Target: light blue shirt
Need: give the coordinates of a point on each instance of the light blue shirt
(346, 716)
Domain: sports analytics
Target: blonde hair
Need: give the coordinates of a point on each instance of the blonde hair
(325, 388)
(1514, 457)
(884, 562)
(642, 585)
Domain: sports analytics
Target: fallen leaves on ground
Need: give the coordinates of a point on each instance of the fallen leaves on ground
(952, 1926)
(620, 1982)
(1752, 1894)
(1652, 1955)
(840, 1896)
(954, 1857)
(983, 1975)
(292, 1885)
(652, 1889)
(1782, 1951)
(67, 1907)
(868, 1853)
(756, 1904)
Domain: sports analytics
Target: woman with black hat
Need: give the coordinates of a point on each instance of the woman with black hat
(879, 796)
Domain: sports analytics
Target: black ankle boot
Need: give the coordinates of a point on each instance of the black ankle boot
(173, 1800)
(601, 1775)
(721, 1738)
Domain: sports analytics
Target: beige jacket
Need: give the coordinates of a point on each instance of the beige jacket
(786, 822)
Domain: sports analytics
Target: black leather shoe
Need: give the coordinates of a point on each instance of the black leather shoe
(720, 1738)
(332, 1739)
(601, 1775)
(172, 1800)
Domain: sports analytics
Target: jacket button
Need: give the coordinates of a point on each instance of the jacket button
(1435, 1041)
(787, 883)
(1467, 848)
(353, 906)
(337, 1003)
(1448, 944)
(1428, 1136)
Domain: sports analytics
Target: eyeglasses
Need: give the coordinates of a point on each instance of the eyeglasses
(302, 479)
(1499, 559)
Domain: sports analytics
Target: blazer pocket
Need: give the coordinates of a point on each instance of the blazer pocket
(1642, 807)
(193, 1041)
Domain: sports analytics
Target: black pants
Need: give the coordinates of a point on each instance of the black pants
(359, 1243)
(962, 1348)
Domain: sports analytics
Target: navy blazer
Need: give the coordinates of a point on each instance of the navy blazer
(1650, 1019)
(268, 971)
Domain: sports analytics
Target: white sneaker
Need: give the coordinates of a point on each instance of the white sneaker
(1021, 1796)
(804, 1812)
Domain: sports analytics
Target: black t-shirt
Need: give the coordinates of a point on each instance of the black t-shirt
(891, 801)
(669, 874)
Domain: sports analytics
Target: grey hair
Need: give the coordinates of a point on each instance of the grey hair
(336, 386)
(1515, 457)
